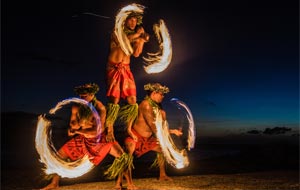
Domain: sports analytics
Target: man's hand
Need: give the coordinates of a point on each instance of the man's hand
(176, 132)
(145, 36)
(140, 30)
(133, 136)
(71, 132)
(85, 124)
(110, 136)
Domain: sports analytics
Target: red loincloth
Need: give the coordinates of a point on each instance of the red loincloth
(120, 80)
(79, 146)
(143, 145)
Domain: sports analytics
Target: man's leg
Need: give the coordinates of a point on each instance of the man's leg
(117, 151)
(130, 147)
(162, 165)
(111, 116)
(54, 183)
(55, 178)
(119, 154)
(128, 114)
(162, 169)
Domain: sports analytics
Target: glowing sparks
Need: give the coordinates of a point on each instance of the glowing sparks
(119, 26)
(159, 61)
(191, 132)
(175, 157)
(48, 153)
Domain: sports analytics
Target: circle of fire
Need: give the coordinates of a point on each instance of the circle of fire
(48, 154)
(175, 157)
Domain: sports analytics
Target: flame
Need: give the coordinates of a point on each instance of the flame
(159, 61)
(48, 154)
(175, 157)
(119, 24)
(191, 132)
(154, 62)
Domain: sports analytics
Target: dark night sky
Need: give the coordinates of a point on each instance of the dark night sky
(235, 63)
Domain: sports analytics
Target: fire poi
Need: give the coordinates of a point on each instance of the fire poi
(48, 153)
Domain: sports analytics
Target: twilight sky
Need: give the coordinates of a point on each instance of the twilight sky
(235, 63)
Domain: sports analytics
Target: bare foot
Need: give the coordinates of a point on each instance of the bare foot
(165, 178)
(50, 186)
(118, 187)
(131, 187)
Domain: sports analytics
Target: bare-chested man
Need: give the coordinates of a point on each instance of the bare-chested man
(145, 129)
(85, 136)
(120, 80)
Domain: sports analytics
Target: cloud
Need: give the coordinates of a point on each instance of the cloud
(276, 130)
(270, 131)
(255, 132)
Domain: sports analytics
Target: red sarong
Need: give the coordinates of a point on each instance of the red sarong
(79, 146)
(143, 145)
(120, 80)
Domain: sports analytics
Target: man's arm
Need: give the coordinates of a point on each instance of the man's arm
(86, 127)
(102, 112)
(74, 120)
(136, 35)
(138, 39)
(114, 41)
(177, 132)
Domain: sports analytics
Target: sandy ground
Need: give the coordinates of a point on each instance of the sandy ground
(283, 180)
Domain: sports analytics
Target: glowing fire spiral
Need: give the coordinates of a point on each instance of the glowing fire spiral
(48, 154)
(159, 61)
(119, 25)
(175, 157)
(191, 132)
(154, 62)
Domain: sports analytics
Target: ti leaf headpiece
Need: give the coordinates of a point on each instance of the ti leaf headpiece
(90, 88)
(156, 87)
